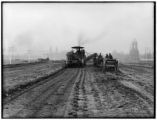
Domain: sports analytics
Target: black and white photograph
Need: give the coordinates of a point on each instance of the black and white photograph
(78, 59)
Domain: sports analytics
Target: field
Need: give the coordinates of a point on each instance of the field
(83, 92)
(16, 75)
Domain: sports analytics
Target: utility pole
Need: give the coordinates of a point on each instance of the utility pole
(147, 53)
(50, 52)
(56, 53)
(29, 55)
(11, 52)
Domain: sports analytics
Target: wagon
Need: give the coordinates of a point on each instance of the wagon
(110, 65)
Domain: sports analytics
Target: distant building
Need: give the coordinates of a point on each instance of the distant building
(43, 60)
(134, 53)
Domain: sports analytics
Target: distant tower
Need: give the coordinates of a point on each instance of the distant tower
(134, 53)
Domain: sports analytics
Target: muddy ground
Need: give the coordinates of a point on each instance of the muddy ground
(87, 93)
(16, 75)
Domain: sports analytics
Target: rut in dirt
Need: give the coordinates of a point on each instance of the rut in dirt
(47, 97)
(83, 93)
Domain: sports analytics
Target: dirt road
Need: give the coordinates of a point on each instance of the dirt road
(83, 92)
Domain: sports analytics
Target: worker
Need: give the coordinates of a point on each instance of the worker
(100, 58)
(77, 52)
(110, 56)
(106, 56)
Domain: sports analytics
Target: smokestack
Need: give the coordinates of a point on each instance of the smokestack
(80, 40)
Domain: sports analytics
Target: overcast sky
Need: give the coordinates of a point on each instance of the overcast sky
(101, 27)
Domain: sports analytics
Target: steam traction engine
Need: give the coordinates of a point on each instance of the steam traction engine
(76, 57)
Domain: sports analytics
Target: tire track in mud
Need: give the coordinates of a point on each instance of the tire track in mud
(59, 100)
(82, 93)
(122, 100)
(144, 104)
(140, 84)
(47, 79)
(77, 105)
(74, 104)
(68, 106)
(85, 99)
(142, 96)
(83, 103)
(31, 94)
(143, 89)
(42, 92)
(131, 80)
(95, 96)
